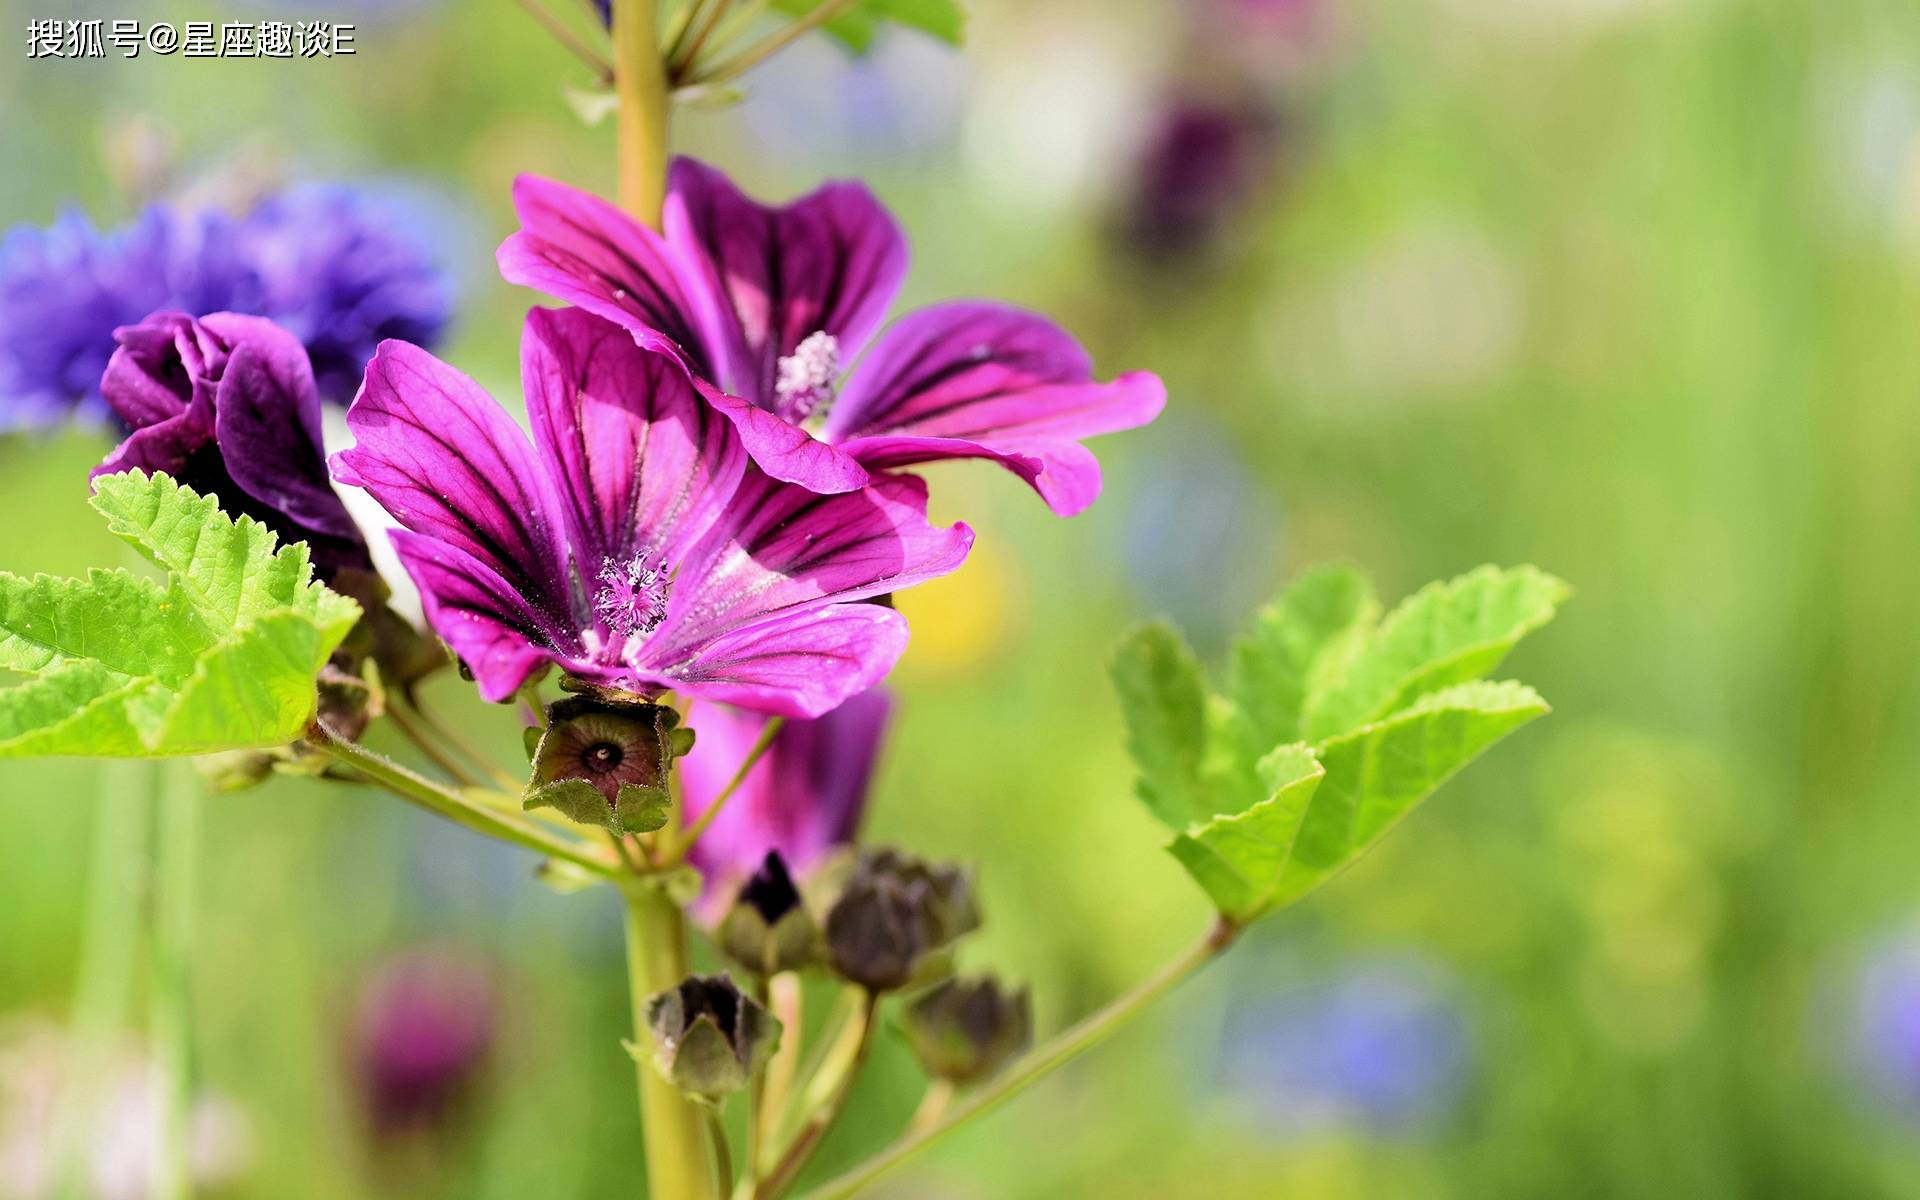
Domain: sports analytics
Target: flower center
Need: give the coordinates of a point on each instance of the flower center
(602, 757)
(807, 377)
(632, 599)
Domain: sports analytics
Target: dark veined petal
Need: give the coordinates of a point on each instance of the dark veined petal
(786, 451)
(644, 464)
(782, 548)
(449, 463)
(577, 247)
(801, 663)
(492, 628)
(978, 380)
(267, 421)
(830, 262)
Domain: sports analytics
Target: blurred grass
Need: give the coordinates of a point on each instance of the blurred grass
(1628, 290)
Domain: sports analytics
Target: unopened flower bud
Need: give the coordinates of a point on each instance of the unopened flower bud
(963, 1031)
(709, 1037)
(769, 930)
(894, 916)
(604, 762)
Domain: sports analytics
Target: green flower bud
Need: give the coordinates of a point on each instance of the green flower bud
(965, 1030)
(768, 929)
(895, 916)
(709, 1037)
(603, 761)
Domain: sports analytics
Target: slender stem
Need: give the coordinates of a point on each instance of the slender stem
(571, 40)
(640, 84)
(773, 43)
(424, 744)
(460, 745)
(116, 871)
(722, 1156)
(684, 54)
(176, 819)
(933, 1106)
(712, 811)
(822, 1118)
(677, 1137)
(1062, 1049)
(455, 807)
(737, 21)
(833, 1036)
(787, 997)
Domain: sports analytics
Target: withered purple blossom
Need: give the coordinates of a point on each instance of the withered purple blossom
(768, 306)
(631, 544)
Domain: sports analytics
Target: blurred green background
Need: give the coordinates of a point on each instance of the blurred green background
(1625, 288)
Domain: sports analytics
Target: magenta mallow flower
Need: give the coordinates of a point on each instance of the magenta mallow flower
(421, 1034)
(630, 544)
(803, 798)
(226, 404)
(769, 306)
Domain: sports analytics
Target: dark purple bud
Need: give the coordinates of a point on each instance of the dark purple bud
(965, 1030)
(421, 1037)
(709, 1037)
(768, 929)
(226, 405)
(1202, 160)
(894, 916)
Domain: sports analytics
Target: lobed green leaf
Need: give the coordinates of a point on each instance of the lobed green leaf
(1163, 699)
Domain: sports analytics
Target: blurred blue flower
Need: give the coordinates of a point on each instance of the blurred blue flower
(1377, 1046)
(340, 267)
(1883, 1022)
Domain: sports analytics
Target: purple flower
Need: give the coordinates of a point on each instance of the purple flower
(65, 289)
(226, 405)
(1882, 1022)
(630, 544)
(769, 305)
(422, 1032)
(804, 797)
(341, 268)
(1202, 160)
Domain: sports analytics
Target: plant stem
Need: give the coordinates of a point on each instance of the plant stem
(722, 1157)
(678, 1140)
(116, 872)
(170, 996)
(822, 1118)
(699, 827)
(786, 997)
(773, 43)
(933, 1106)
(602, 69)
(640, 85)
(455, 807)
(684, 54)
(421, 742)
(452, 738)
(1062, 1049)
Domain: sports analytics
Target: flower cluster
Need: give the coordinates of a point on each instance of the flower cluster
(340, 268)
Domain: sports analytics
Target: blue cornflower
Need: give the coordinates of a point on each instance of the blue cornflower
(340, 267)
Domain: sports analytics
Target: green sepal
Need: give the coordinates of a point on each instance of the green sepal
(636, 809)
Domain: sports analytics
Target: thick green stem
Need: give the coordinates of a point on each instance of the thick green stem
(452, 805)
(679, 1142)
(1062, 1049)
(640, 86)
(170, 995)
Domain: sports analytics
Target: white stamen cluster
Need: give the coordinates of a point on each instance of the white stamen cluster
(807, 376)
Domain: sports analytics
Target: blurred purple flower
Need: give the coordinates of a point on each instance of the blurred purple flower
(1202, 160)
(630, 544)
(226, 405)
(341, 267)
(805, 796)
(422, 1031)
(1377, 1045)
(1883, 1022)
(768, 305)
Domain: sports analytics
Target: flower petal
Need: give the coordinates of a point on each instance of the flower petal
(788, 452)
(992, 381)
(449, 463)
(800, 664)
(644, 464)
(267, 421)
(830, 261)
(783, 548)
(492, 628)
(576, 246)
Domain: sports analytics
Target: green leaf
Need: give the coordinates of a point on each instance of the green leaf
(1163, 699)
(1377, 774)
(857, 26)
(1296, 645)
(221, 656)
(1238, 859)
(1444, 634)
